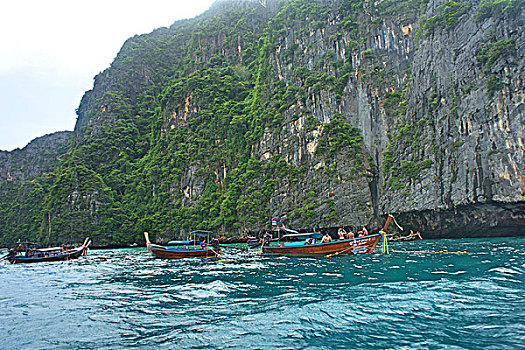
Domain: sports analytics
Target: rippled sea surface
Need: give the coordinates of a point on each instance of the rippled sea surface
(118, 299)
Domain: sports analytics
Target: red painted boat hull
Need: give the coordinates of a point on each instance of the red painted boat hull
(361, 245)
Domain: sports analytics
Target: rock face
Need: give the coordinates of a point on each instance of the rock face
(465, 114)
(473, 220)
(322, 113)
(455, 135)
(40, 156)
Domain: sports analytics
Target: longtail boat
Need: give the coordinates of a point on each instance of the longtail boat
(292, 235)
(360, 245)
(26, 252)
(253, 242)
(185, 249)
(410, 237)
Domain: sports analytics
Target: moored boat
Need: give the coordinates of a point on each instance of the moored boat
(253, 242)
(411, 237)
(360, 245)
(309, 247)
(180, 249)
(289, 236)
(27, 252)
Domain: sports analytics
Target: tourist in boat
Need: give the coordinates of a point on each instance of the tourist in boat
(412, 234)
(203, 244)
(267, 238)
(326, 238)
(342, 233)
(350, 235)
(365, 231)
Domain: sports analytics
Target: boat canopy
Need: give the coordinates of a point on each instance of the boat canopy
(200, 233)
(300, 236)
(288, 230)
(180, 242)
(49, 249)
(191, 240)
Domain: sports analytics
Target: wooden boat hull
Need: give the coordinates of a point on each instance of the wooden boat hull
(163, 252)
(67, 255)
(361, 245)
(253, 244)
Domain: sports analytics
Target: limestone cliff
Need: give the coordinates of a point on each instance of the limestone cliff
(40, 156)
(440, 106)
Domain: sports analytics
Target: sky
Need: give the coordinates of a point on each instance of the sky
(50, 51)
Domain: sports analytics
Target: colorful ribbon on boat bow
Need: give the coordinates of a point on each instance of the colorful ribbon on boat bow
(385, 241)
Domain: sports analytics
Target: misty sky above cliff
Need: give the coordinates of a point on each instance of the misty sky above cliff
(50, 51)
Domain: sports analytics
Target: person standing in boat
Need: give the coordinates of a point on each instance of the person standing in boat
(326, 238)
(342, 233)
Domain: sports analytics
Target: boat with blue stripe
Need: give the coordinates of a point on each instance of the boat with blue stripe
(192, 248)
(311, 247)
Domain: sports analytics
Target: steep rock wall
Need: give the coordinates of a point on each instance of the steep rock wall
(465, 118)
(451, 138)
(40, 156)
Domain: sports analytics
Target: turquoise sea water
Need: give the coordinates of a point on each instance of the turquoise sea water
(120, 299)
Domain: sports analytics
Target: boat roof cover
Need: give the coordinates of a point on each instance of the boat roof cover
(200, 233)
(49, 249)
(306, 235)
(179, 242)
(26, 243)
(287, 230)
